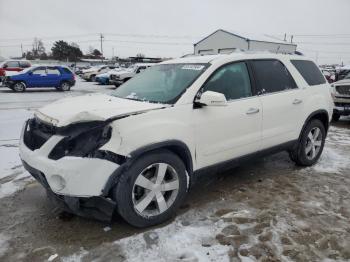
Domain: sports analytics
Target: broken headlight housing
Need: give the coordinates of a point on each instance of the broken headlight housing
(82, 142)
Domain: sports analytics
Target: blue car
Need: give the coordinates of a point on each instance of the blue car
(59, 77)
(102, 79)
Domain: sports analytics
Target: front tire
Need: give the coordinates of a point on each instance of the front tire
(19, 87)
(152, 189)
(310, 145)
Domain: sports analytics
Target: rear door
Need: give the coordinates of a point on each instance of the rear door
(53, 77)
(281, 100)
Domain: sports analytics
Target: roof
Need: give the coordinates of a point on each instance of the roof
(194, 59)
(234, 55)
(250, 37)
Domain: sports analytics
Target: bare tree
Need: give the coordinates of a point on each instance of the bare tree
(38, 47)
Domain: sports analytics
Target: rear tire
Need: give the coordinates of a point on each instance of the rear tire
(92, 78)
(152, 189)
(19, 87)
(310, 145)
(335, 117)
(64, 86)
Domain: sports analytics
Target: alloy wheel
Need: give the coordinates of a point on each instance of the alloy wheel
(19, 87)
(65, 86)
(155, 189)
(313, 143)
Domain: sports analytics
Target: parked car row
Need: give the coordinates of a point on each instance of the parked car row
(112, 75)
(122, 76)
(341, 97)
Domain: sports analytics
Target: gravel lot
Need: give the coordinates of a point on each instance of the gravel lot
(269, 210)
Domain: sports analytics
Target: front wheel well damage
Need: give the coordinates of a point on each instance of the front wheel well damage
(176, 147)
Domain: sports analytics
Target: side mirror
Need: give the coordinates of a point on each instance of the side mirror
(210, 98)
(30, 73)
(5, 66)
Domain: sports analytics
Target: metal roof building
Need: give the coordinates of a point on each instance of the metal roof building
(223, 42)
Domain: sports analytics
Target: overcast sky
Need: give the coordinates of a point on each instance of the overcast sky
(169, 28)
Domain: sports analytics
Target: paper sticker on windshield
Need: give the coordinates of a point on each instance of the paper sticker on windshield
(193, 67)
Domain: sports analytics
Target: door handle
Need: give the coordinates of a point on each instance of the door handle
(252, 111)
(297, 101)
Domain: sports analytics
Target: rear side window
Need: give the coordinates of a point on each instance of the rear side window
(24, 64)
(66, 70)
(12, 64)
(53, 71)
(272, 76)
(310, 72)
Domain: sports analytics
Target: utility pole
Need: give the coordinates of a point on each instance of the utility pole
(101, 38)
(285, 37)
(291, 38)
(21, 50)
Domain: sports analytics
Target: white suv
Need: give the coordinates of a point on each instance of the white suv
(122, 76)
(138, 150)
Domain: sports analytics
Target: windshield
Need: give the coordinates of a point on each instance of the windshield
(161, 83)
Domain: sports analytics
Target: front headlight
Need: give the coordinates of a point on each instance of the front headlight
(82, 144)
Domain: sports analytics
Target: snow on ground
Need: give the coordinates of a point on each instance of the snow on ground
(333, 158)
(13, 177)
(3, 244)
(195, 242)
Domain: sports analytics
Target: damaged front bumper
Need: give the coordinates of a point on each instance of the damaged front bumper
(95, 207)
(75, 183)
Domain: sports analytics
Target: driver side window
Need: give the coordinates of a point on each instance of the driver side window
(232, 80)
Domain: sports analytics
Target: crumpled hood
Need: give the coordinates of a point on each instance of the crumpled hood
(91, 107)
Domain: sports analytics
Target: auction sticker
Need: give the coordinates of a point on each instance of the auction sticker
(193, 67)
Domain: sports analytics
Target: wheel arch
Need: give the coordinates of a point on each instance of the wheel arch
(177, 147)
(321, 115)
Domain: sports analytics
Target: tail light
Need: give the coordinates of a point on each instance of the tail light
(2, 72)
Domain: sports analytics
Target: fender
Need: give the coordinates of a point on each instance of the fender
(176, 146)
(312, 115)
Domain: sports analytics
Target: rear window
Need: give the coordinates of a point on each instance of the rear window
(310, 72)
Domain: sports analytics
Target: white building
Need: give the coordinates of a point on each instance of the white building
(223, 42)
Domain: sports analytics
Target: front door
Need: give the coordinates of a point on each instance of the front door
(227, 132)
(38, 77)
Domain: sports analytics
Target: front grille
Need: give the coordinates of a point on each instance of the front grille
(37, 133)
(342, 104)
(343, 90)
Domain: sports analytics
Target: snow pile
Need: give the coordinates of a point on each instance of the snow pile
(332, 161)
(13, 177)
(176, 242)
